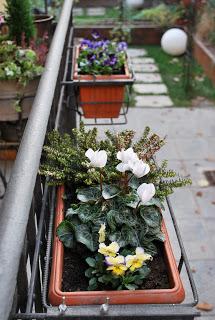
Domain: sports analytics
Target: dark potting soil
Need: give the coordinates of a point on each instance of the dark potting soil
(75, 266)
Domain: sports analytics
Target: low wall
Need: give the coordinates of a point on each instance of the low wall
(205, 58)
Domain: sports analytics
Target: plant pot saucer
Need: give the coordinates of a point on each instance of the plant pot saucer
(175, 294)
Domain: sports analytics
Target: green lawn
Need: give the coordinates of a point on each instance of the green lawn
(174, 76)
(112, 14)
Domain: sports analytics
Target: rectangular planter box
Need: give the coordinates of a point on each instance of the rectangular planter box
(100, 101)
(205, 58)
(175, 294)
(141, 34)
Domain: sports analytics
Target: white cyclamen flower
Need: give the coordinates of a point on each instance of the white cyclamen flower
(97, 158)
(146, 192)
(139, 168)
(126, 156)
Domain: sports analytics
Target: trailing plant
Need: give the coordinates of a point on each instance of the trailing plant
(18, 63)
(101, 57)
(20, 20)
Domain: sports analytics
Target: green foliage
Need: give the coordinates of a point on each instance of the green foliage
(174, 75)
(162, 15)
(20, 20)
(17, 63)
(123, 224)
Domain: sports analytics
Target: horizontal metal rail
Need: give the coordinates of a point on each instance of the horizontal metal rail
(17, 202)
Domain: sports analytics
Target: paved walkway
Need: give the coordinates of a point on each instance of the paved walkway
(190, 150)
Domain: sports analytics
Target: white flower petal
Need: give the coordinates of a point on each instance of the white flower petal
(122, 167)
(140, 168)
(89, 153)
(146, 192)
(139, 250)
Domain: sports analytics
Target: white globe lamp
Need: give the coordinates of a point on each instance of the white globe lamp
(174, 42)
(134, 4)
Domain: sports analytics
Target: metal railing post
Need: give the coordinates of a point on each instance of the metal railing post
(17, 201)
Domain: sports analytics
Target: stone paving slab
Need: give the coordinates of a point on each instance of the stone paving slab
(99, 11)
(196, 239)
(196, 148)
(132, 52)
(153, 101)
(149, 67)
(148, 77)
(150, 88)
(206, 202)
(205, 282)
(142, 60)
(78, 12)
(196, 170)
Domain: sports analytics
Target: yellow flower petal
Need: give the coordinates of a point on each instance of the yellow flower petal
(102, 233)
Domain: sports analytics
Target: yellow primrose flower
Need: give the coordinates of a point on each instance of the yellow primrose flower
(116, 265)
(110, 250)
(118, 270)
(136, 261)
(102, 233)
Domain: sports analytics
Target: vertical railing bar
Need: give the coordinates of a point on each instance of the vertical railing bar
(36, 252)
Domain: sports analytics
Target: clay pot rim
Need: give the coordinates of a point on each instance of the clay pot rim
(39, 18)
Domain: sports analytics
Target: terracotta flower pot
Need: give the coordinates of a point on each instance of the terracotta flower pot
(173, 295)
(100, 101)
(10, 91)
(43, 24)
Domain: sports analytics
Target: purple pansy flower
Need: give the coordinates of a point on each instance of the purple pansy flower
(122, 46)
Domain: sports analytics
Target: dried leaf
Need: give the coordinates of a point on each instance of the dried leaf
(199, 194)
(204, 306)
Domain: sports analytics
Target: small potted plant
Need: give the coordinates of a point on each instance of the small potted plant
(21, 64)
(110, 238)
(106, 60)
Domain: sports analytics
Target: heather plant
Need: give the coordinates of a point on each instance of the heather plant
(101, 57)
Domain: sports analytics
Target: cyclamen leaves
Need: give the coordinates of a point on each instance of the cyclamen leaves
(65, 232)
(90, 194)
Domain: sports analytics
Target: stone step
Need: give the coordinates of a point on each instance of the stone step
(153, 101)
(142, 60)
(150, 88)
(148, 77)
(136, 52)
(99, 11)
(139, 68)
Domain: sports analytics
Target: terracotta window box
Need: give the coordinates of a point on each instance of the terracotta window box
(175, 294)
(100, 101)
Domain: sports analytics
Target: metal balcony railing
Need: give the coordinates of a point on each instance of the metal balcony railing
(18, 207)
(26, 220)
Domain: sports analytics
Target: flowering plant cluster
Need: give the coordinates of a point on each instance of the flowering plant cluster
(101, 57)
(115, 218)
